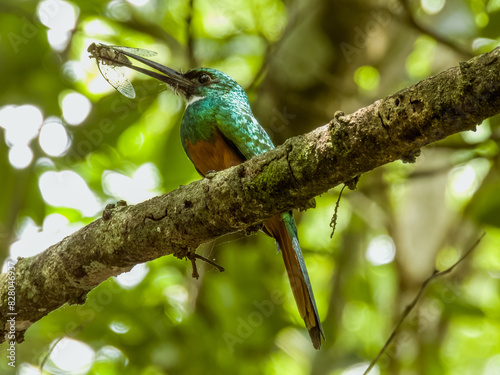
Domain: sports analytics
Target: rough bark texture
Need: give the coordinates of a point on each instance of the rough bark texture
(395, 127)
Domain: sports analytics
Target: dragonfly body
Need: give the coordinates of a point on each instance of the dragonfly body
(218, 131)
(108, 55)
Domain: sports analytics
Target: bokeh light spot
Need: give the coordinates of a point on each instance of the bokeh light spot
(20, 156)
(60, 18)
(381, 250)
(432, 6)
(119, 327)
(72, 356)
(130, 279)
(144, 184)
(75, 108)
(138, 3)
(21, 123)
(53, 138)
(32, 241)
(367, 77)
(57, 15)
(68, 189)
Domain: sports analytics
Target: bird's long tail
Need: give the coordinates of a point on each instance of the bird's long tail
(283, 229)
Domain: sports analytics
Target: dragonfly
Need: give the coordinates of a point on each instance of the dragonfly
(112, 61)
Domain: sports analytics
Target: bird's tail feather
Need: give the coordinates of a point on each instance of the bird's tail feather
(283, 229)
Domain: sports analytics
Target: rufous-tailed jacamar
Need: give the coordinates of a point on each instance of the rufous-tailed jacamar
(219, 131)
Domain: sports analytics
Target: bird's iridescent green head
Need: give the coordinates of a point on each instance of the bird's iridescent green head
(200, 83)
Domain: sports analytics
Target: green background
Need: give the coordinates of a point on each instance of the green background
(300, 61)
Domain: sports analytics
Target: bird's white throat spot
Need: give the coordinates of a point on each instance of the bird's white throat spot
(193, 99)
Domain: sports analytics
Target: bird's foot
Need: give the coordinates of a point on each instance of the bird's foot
(108, 211)
(210, 174)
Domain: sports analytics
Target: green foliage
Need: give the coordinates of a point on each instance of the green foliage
(299, 63)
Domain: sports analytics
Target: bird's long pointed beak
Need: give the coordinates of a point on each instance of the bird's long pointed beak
(171, 77)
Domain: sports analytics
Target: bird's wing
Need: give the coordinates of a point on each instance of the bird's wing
(243, 130)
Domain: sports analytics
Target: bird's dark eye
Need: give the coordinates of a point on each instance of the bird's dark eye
(204, 78)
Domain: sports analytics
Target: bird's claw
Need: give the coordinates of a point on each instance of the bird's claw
(210, 174)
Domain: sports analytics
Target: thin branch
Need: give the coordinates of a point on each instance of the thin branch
(439, 38)
(272, 48)
(211, 262)
(193, 256)
(333, 222)
(243, 196)
(190, 37)
(412, 305)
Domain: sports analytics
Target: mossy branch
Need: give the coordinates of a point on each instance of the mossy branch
(305, 166)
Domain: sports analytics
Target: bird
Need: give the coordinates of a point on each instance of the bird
(219, 131)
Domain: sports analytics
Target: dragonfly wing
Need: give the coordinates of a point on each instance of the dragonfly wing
(111, 61)
(116, 77)
(135, 51)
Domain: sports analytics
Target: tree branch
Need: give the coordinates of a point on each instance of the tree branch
(393, 128)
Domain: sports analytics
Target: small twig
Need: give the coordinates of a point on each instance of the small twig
(272, 48)
(49, 353)
(211, 262)
(413, 303)
(333, 222)
(192, 257)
